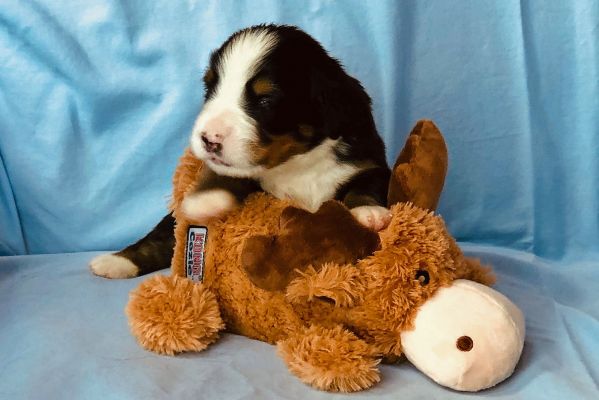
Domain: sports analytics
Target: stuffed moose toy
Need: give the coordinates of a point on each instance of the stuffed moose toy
(335, 297)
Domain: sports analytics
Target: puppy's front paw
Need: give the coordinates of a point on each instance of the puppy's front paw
(113, 267)
(208, 204)
(373, 217)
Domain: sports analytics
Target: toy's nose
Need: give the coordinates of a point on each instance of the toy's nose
(467, 337)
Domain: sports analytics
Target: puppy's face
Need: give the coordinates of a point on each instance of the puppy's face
(259, 105)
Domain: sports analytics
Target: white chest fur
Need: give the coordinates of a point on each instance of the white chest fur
(309, 179)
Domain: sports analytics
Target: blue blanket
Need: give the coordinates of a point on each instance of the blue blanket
(63, 335)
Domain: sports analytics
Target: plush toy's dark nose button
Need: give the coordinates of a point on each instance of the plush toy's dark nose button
(464, 343)
(211, 147)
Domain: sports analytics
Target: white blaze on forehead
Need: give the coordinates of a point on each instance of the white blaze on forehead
(239, 62)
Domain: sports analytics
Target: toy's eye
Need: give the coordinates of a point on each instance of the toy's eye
(326, 299)
(423, 277)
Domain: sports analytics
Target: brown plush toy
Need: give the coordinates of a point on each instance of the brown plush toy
(333, 296)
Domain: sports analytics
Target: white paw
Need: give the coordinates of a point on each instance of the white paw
(113, 267)
(373, 217)
(208, 204)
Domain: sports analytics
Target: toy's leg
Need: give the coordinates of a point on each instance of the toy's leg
(330, 359)
(170, 315)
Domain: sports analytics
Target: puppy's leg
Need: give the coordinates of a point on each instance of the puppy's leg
(149, 254)
(216, 195)
(373, 217)
(366, 195)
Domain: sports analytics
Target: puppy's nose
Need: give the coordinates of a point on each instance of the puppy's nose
(211, 147)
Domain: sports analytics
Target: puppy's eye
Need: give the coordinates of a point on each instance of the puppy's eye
(423, 277)
(264, 101)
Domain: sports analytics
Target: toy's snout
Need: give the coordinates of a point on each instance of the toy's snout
(467, 337)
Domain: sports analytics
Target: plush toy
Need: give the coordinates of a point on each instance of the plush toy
(335, 297)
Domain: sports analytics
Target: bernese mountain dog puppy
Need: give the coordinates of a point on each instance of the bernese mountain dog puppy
(280, 115)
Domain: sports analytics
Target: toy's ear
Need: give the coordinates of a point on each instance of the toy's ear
(290, 215)
(331, 207)
(259, 266)
(331, 235)
(473, 270)
(419, 173)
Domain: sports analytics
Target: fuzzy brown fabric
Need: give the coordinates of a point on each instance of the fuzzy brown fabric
(423, 159)
(314, 356)
(185, 180)
(170, 315)
(335, 310)
(304, 240)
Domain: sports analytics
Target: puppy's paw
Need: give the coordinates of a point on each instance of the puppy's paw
(373, 217)
(208, 204)
(113, 267)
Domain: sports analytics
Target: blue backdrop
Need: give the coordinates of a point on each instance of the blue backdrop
(97, 99)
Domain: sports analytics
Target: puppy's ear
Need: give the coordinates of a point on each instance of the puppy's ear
(341, 101)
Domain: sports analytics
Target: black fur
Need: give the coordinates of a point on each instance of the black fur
(310, 89)
(367, 188)
(155, 250)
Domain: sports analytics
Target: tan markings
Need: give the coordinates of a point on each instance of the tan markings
(262, 86)
(209, 76)
(278, 150)
(306, 130)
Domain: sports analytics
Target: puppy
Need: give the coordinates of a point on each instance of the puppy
(280, 115)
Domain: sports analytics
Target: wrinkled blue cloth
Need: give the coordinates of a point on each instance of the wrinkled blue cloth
(97, 100)
(63, 335)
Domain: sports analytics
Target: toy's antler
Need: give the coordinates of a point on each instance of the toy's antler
(419, 172)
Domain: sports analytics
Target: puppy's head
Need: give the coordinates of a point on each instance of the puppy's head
(268, 90)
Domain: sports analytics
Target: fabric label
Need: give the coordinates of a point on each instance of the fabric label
(195, 251)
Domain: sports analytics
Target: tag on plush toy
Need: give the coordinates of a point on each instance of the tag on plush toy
(194, 252)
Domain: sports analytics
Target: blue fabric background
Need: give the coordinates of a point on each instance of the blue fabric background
(75, 344)
(97, 99)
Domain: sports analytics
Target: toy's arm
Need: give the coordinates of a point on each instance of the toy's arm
(337, 283)
(332, 359)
